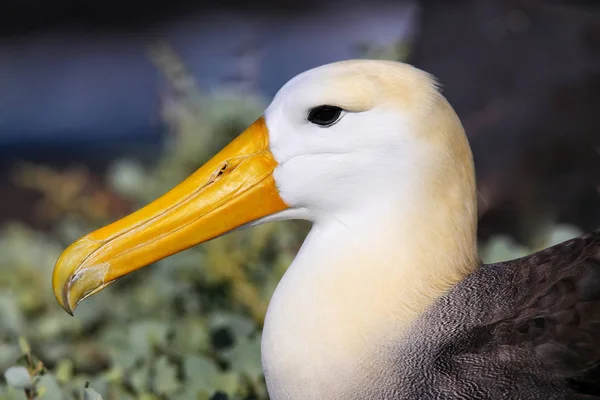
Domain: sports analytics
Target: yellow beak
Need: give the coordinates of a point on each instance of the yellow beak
(234, 188)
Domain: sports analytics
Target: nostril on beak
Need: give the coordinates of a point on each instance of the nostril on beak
(223, 169)
(218, 173)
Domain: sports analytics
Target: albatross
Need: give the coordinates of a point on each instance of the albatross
(387, 297)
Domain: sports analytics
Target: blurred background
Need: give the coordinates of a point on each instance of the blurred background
(106, 105)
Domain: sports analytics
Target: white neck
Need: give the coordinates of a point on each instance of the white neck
(358, 282)
(365, 274)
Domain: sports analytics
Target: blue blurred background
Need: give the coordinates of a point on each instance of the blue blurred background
(91, 83)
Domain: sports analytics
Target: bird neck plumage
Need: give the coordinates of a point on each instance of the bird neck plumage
(358, 282)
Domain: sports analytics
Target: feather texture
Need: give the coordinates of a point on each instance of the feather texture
(522, 329)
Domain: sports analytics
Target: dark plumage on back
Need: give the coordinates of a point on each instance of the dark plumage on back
(522, 329)
(556, 312)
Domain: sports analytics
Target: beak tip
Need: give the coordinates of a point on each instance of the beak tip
(65, 304)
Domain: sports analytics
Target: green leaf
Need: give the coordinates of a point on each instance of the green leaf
(191, 335)
(228, 383)
(140, 378)
(64, 370)
(200, 373)
(10, 315)
(245, 357)
(24, 346)
(10, 393)
(144, 336)
(116, 340)
(91, 394)
(148, 396)
(8, 354)
(18, 377)
(123, 357)
(166, 381)
(48, 388)
(239, 325)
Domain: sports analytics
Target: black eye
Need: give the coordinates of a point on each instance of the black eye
(324, 115)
